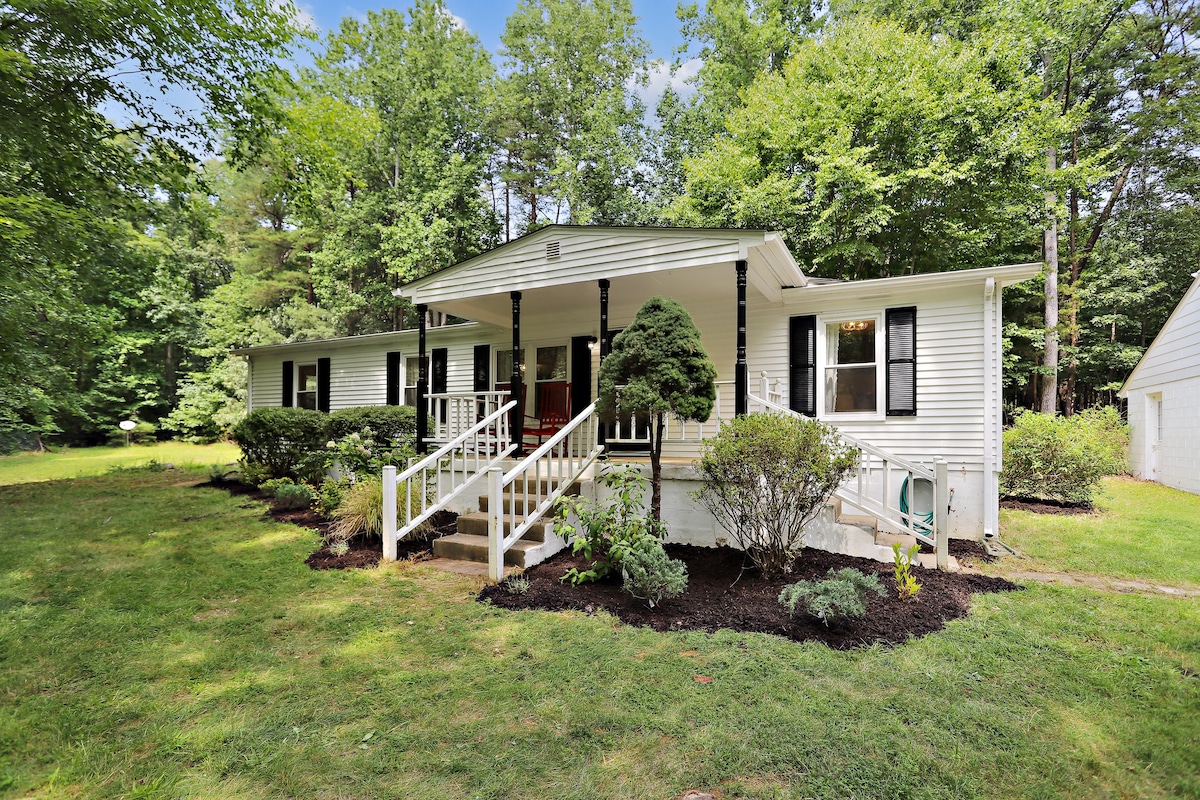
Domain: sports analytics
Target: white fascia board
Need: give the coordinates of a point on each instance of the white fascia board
(1188, 297)
(361, 340)
(882, 287)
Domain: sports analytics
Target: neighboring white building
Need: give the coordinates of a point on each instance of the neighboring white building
(1164, 400)
(909, 364)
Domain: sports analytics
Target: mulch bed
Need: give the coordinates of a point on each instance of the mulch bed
(1038, 505)
(363, 551)
(721, 594)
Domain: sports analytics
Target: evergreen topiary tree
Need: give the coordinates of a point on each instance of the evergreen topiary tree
(658, 366)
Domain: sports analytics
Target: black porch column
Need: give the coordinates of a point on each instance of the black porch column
(602, 438)
(741, 376)
(515, 393)
(422, 381)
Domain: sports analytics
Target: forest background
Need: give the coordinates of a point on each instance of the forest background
(172, 186)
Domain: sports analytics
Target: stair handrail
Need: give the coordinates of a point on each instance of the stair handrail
(573, 449)
(482, 446)
(857, 491)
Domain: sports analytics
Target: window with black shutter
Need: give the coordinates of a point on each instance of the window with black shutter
(289, 387)
(802, 365)
(323, 379)
(393, 378)
(902, 361)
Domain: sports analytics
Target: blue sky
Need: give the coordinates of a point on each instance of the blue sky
(485, 19)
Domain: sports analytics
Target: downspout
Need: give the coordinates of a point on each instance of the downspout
(993, 447)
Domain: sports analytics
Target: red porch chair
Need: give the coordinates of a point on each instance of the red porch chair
(554, 410)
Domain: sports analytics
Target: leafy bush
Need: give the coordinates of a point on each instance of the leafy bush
(902, 561)
(293, 497)
(210, 403)
(281, 441)
(273, 485)
(358, 455)
(609, 528)
(330, 494)
(652, 575)
(389, 424)
(1062, 458)
(842, 594)
(766, 477)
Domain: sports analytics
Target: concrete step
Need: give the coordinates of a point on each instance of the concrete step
(868, 524)
(523, 505)
(886, 539)
(476, 524)
(468, 547)
(518, 487)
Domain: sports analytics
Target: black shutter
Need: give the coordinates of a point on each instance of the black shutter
(394, 365)
(483, 368)
(581, 374)
(323, 384)
(439, 365)
(289, 378)
(901, 326)
(802, 365)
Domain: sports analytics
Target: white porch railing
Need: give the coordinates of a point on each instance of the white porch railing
(451, 415)
(432, 482)
(874, 488)
(536, 483)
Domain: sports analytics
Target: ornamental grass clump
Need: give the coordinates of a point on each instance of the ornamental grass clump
(766, 477)
(842, 595)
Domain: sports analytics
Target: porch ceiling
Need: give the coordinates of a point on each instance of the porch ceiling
(581, 300)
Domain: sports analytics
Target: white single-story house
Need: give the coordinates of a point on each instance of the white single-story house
(909, 366)
(1163, 393)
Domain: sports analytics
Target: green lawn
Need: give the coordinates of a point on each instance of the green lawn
(1139, 531)
(161, 640)
(84, 461)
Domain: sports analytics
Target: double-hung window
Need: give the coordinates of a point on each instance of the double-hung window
(853, 358)
(306, 386)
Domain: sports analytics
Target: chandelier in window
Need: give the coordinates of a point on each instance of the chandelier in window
(856, 325)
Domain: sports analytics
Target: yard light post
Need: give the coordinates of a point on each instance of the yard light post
(127, 425)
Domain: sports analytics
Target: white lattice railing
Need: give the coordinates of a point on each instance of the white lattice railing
(875, 488)
(451, 415)
(430, 484)
(536, 483)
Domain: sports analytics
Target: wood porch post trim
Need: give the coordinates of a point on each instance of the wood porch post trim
(741, 375)
(518, 413)
(602, 434)
(422, 381)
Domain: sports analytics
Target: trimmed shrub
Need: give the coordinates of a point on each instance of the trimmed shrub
(766, 477)
(1063, 458)
(650, 574)
(280, 442)
(269, 488)
(842, 594)
(293, 497)
(388, 424)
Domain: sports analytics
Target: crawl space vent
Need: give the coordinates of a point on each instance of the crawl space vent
(552, 250)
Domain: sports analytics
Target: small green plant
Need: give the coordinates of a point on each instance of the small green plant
(608, 529)
(329, 495)
(218, 473)
(842, 594)
(516, 584)
(902, 561)
(270, 487)
(650, 574)
(339, 548)
(293, 497)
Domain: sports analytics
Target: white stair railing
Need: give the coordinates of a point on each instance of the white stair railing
(430, 484)
(536, 483)
(874, 488)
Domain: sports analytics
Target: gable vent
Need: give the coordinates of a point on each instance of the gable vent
(552, 250)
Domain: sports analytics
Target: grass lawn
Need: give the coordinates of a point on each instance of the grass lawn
(159, 640)
(1139, 531)
(84, 461)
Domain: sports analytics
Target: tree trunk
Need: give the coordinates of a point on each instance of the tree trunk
(656, 469)
(1050, 379)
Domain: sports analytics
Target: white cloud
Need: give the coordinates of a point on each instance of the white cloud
(302, 14)
(660, 77)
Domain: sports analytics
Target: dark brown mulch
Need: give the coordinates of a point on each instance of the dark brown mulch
(717, 598)
(967, 551)
(363, 552)
(1038, 505)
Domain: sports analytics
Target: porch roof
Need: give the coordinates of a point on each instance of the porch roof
(560, 260)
